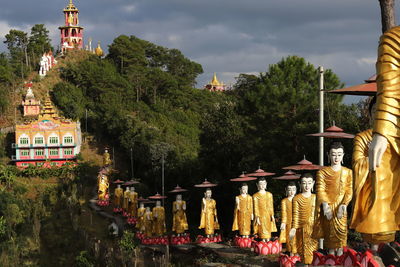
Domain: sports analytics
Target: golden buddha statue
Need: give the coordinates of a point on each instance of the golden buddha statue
(303, 206)
(140, 216)
(334, 193)
(264, 221)
(159, 228)
(179, 221)
(208, 217)
(118, 195)
(133, 199)
(286, 215)
(106, 158)
(147, 226)
(102, 187)
(243, 214)
(125, 202)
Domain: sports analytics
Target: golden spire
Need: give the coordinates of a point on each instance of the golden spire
(215, 81)
(70, 6)
(99, 52)
(48, 109)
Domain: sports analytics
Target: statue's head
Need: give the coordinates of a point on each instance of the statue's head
(158, 203)
(132, 188)
(336, 153)
(291, 189)
(119, 186)
(127, 188)
(306, 182)
(244, 189)
(147, 209)
(208, 193)
(141, 205)
(178, 197)
(262, 184)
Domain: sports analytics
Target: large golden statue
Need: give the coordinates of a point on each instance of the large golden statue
(147, 225)
(118, 196)
(334, 193)
(377, 207)
(264, 221)
(102, 187)
(303, 220)
(208, 220)
(243, 214)
(140, 217)
(179, 221)
(133, 200)
(159, 219)
(286, 215)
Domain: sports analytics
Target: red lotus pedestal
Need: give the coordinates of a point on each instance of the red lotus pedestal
(288, 261)
(243, 242)
(350, 257)
(103, 203)
(180, 240)
(267, 248)
(203, 239)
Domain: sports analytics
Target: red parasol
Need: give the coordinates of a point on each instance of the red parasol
(131, 182)
(118, 182)
(369, 88)
(243, 178)
(260, 173)
(142, 199)
(303, 165)
(289, 175)
(157, 196)
(205, 184)
(178, 189)
(333, 132)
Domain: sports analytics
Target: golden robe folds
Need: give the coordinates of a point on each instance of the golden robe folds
(303, 222)
(132, 209)
(242, 216)
(334, 188)
(208, 217)
(118, 195)
(179, 222)
(140, 216)
(377, 207)
(264, 209)
(286, 214)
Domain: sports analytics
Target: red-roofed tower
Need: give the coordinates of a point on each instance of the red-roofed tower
(71, 33)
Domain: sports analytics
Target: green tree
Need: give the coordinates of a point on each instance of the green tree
(17, 42)
(39, 43)
(71, 100)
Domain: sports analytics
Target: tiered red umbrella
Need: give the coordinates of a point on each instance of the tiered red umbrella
(333, 132)
(157, 196)
(243, 178)
(303, 165)
(260, 173)
(118, 182)
(289, 175)
(142, 199)
(205, 184)
(131, 182)
(369, 88)
(178, 189)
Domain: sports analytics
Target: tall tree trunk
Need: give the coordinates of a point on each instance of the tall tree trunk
(387, 14)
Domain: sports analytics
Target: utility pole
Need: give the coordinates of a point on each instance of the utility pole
(162, 175)
(388, 17)
(132, 163)
(321, 114)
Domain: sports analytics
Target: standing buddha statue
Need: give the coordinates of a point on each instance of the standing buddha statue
(243, 214)
(179, 222)
(286, 214)
(147, 226)
(102, 187)
(133, 197)
(159, 219)
(125, 203)
(208, 217)
(118, 196)
(303, 220)
(140, 215)
(334, 193)
(264, 221)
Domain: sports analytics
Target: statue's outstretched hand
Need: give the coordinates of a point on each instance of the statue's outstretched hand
(342, 210)
(377, 147)
(292, 233)
(327, 210)
(283, 226)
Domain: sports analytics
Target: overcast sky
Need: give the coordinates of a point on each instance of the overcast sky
(225, 36)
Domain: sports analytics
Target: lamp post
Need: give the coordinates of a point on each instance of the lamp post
(321, 114)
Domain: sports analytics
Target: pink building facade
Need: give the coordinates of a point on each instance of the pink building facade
(71, 32)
